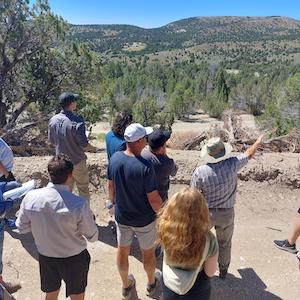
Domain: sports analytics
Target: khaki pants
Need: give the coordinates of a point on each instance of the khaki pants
(81, 178)
(223, 222)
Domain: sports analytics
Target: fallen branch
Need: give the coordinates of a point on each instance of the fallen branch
(191, 144)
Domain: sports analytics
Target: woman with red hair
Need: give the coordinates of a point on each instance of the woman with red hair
(190, 249)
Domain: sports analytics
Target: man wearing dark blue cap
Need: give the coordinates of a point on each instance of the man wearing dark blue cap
(67, 133)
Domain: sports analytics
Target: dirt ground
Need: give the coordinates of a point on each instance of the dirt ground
(197, 122)
(267, 199)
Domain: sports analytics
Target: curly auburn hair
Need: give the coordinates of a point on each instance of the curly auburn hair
(182, 226)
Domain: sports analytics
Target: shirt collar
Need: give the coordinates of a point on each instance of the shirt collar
(67, 112)
(61, 187)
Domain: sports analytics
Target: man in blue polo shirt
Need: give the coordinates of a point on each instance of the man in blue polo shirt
(133, 188)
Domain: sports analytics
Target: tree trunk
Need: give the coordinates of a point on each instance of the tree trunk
(18, 111)
(3, 110)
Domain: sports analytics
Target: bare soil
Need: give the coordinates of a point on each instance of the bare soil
(267, 200)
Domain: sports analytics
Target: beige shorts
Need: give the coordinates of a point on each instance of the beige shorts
(146, 235)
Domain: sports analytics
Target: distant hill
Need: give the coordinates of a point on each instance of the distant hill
(274, 34)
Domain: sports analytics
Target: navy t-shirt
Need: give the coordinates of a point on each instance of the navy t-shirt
(133, 178)
(114, 143)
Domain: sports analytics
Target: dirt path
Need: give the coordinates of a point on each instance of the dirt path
(266, 204)
(258, 270)
(264, 212)
(197, 122)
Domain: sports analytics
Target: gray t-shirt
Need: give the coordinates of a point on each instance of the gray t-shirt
(66, 132)
(164, 167)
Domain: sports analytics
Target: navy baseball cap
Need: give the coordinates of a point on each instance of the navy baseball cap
(67, 98)
(158, 137)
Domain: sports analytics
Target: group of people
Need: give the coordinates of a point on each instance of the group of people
(138, 184)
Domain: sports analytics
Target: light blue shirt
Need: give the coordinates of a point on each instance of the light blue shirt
(6, 156)
(114, 143)
(60, 221)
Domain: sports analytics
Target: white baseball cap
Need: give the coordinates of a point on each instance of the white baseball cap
(135, 132)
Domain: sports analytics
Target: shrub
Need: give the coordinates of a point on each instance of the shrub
(214, 105)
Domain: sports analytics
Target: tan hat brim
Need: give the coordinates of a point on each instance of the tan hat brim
(210, 159)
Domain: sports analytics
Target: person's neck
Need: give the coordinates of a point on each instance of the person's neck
(66, 184)
(160, 151)
(132, 151)
(68, 110)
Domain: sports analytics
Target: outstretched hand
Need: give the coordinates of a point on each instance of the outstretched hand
(260, 139)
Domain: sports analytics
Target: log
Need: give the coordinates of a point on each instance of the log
(193, 143)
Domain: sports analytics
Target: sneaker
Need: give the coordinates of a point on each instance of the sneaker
(153, 288)
(223, 274)
(128, 293)
(10, 223)
(284, 245)
(11, 287)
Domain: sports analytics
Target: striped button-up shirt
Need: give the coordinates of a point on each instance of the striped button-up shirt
(218, 181)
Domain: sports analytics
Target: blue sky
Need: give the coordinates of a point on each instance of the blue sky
(156, 13)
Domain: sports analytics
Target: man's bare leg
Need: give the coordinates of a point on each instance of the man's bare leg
(123, 265)
(295, 231)
(52, 295)
(149, 262)
(77, 296)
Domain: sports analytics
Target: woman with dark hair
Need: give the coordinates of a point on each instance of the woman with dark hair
(115, 137)
(190, 249)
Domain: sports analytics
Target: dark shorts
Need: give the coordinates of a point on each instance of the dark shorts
(10, 177)
(200, 290)
(299, 211)
(72, 270)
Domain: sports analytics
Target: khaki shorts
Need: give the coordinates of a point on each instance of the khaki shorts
(146, 235)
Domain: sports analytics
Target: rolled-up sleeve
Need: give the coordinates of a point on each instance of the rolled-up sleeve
(23, 222)
(196, 180)
(241, 161)
(87, 226)
(80, 135)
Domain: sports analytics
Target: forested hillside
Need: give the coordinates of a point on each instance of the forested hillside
(248, 64)
(267, 37)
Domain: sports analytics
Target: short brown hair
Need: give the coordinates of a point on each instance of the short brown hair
(59, 168)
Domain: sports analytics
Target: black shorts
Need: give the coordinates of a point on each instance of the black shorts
(72, 270)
